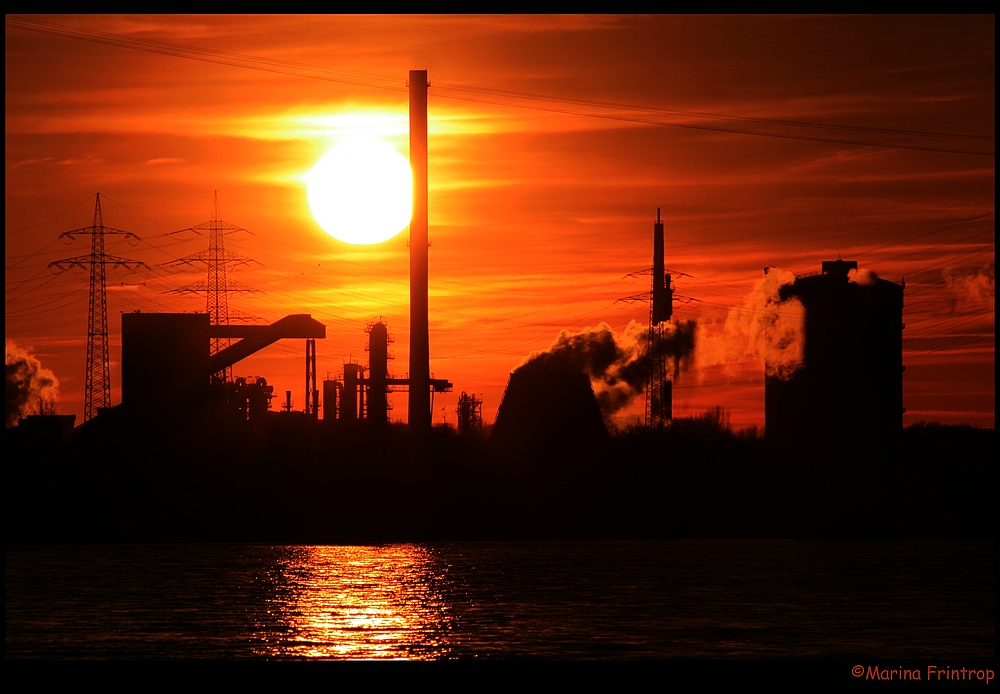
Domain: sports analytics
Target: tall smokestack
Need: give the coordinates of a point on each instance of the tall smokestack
(662, 302)
(659, 390)
(420, 369)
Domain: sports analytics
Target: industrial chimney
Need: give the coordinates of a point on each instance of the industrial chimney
(659, 389)
(420, 369)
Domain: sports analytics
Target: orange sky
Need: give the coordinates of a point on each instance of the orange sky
(536, 214)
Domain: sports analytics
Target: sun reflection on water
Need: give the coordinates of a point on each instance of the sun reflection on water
(355, 602)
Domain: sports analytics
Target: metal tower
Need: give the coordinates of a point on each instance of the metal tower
(217, 287)
(659, 389)
(661, 297)
(312, 392)
(470, 413)
(98, 389)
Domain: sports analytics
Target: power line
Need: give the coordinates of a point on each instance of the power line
(392, 83)
(705, 114)
(735, 131)
(49, 219)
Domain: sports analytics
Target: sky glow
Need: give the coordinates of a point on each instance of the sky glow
(765, 141)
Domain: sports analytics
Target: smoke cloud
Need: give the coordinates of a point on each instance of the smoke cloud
(765, 326)
(31, 388)
(618, 364)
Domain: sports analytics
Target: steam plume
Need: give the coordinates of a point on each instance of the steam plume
(30, 388)
(618, 364)
(969, 287)
(764, 326)
(866, 278)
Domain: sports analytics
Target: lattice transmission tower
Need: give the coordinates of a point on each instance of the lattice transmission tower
(659, 388)
(98, 388)
(216, 287)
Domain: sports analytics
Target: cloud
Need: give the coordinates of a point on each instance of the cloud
(29, 162)
(969, 287)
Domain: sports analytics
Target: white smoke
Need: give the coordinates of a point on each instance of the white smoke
(763, 327)
(863, 277)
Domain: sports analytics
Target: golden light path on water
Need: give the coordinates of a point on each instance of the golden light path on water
(356, 603)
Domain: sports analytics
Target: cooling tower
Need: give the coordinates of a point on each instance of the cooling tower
(547, 412)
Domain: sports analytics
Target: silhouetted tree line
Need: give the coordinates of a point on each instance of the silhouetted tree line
(292, 479)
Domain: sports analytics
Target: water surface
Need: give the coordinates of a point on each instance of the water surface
(734, 599)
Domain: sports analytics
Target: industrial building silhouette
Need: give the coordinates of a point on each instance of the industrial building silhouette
(168, 367)
(560, 474)
(549, 470)
(849, 388)
(178, 365)
(168, 370)
(355, 396)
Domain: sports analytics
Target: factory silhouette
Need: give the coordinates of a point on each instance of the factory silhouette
(191, 454)
(850, 382)
(194, 453)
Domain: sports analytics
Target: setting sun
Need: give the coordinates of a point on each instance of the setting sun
(361, 191)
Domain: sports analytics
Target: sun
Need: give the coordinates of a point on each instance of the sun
(361, 191)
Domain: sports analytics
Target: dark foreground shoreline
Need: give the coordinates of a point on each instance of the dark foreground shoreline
(296, 481)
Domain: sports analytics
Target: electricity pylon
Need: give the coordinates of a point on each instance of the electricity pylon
(659, 389)
(217, 287)
(661, 297)
(98, 389)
